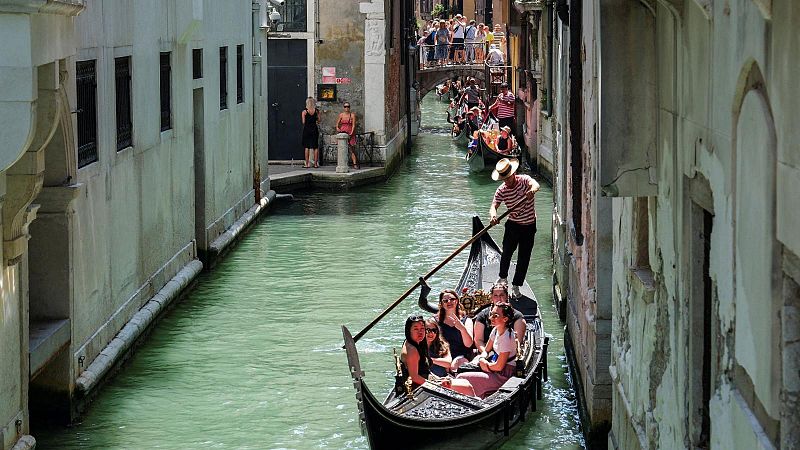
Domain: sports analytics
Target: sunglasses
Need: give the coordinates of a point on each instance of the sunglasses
(346, 106)
(431, 330)
(449, 299)
(415, 318)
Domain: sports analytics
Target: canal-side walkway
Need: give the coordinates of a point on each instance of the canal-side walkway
(287, 177)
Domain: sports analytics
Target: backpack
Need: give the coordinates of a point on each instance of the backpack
(471, 32)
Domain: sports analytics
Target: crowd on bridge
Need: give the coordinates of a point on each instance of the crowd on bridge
(456, 41)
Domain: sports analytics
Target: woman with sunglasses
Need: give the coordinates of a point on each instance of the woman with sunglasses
(346, 123)
(456, 328)
(414, 356)
(438, 349)
(497, 368)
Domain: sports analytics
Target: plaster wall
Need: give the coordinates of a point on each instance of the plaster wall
(134, 222)
(342, 47)
(723, 70)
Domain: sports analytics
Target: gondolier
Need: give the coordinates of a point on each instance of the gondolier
(521, 224)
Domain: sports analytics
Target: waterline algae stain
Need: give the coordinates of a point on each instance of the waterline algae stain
(252, 357)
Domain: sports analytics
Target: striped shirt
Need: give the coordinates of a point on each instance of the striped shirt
(503, 110)
(526, 213)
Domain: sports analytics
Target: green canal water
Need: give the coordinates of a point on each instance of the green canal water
(251, 357)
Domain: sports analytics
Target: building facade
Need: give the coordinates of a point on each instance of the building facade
(667, 127)
(139, 158)
(343, 52)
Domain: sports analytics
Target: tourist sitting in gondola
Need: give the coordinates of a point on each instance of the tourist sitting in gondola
(438, 349)
(473, 143)
(456, 328)
(416, 363)
(498, 360)
(504, 142)
(473, 123)
(483, 324)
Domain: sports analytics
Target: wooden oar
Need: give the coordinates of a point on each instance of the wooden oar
(434, 270)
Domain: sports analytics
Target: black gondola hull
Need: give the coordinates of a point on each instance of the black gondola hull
(435, 417)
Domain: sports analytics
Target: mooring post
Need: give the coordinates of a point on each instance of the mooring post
(341, 153)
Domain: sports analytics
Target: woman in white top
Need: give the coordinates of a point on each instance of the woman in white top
(497, 362)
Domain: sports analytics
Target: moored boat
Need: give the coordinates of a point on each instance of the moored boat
(431, 416)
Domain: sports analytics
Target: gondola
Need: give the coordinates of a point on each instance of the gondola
(462, 137)
(431, 416)
(491, 156)
(475, 160)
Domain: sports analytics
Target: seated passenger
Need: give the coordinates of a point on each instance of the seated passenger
(458, 123)
(414, 357)
(438, 349)
(505, 142)
(456, 328)
(483, 325)
(473, 144)
(498, 368)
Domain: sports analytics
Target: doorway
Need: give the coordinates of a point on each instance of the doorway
(287, 89)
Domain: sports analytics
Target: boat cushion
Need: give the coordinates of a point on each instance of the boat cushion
(511, 384)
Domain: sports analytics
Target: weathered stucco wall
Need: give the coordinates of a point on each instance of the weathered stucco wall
(135, 221)
(341, 30)
(725, 146)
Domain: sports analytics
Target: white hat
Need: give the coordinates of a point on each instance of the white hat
(504, 169)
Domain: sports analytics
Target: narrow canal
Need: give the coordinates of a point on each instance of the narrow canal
(251, 358)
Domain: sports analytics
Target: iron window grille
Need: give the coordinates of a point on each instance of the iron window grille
(293, 13)
(166, 91)
(86, 87)
(122, 76)
(197, 63)
(223, 78)
(240, 73)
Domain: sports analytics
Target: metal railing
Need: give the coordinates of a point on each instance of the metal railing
(364, 148)
(470, 53)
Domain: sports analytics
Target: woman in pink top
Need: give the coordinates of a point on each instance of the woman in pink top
(346, 123)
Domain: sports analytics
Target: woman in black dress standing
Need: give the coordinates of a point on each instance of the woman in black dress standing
(310, 118)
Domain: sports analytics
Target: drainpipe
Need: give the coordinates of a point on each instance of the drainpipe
(257, 97)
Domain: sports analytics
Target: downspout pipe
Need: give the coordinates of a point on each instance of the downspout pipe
(257, 97)
(406, 45)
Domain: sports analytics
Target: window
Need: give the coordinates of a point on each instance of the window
(197, 63)
(223, 78)
(240, 73)
(293, 14)
(166, 91)
(122, 76)
(86, 87)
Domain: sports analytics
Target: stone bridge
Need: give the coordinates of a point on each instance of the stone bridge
(428, 78)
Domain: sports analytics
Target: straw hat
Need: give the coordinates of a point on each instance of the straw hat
(504, 169)
(475, 108)
(506, 128)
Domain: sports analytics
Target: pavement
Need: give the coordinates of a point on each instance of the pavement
(287, 177)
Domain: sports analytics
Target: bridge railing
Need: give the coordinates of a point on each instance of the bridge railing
(444, 55)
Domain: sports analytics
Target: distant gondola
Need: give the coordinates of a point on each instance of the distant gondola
(431, 416)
